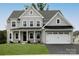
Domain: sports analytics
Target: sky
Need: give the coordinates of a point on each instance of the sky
(70, 12)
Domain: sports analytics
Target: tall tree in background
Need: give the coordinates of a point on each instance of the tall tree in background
(35, 6)
(39, 6)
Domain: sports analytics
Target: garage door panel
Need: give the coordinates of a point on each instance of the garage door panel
(57, 38)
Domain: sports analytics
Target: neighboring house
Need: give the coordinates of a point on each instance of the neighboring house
(76, 37)
(49, 27)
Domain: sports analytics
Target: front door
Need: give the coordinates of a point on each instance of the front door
(24, 36)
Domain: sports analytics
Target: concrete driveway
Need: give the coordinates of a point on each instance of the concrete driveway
(63, 48)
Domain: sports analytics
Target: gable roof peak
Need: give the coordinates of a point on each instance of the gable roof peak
(47, 14)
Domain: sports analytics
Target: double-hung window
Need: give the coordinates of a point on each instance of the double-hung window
(31, 35)
(13, 24)
(24, 23)
(31, 23)
(16, 35)
(38, 23)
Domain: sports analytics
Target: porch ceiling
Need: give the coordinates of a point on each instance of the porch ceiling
(25, 29)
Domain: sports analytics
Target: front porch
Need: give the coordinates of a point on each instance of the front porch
(26, 36)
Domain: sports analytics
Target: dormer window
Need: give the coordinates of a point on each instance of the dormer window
(13, 24)
(58, 21)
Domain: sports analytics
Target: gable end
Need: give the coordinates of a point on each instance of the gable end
(58, 17)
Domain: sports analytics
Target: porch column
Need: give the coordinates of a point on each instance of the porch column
(27, 36)
(12, 36)
(19, 35)
(34, 37)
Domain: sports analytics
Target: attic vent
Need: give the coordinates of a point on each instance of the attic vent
(30, 12)
(58, 21)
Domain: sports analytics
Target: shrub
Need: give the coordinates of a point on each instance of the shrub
(11, 41)
(19, 42)
(28, 41)
(38, 41)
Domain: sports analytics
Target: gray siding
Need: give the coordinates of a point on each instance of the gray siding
(63, 21)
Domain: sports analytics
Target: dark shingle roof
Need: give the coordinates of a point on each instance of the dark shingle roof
(16, 13)
(75, 33)
(58, 27)
(45, 14)
(48, 14)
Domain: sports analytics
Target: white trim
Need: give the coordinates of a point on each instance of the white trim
(19, 36)
(50, 20)
(27, 35)
(15, 23)
(28, 9)
(11, 36)
(34, 37)
(37, 12)
(28, 30)
(30, 16)
(23, 12)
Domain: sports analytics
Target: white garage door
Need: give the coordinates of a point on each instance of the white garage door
(58, 38)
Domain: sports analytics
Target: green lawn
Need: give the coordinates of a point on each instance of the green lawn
(21, 49)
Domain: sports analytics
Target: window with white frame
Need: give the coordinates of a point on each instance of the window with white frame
(13, 24)
(38, 35)
(31, 23)
(24, 23)
(38, 23)
(31, 35)
(16, 35)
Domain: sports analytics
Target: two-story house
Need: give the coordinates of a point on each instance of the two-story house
(49, 27)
